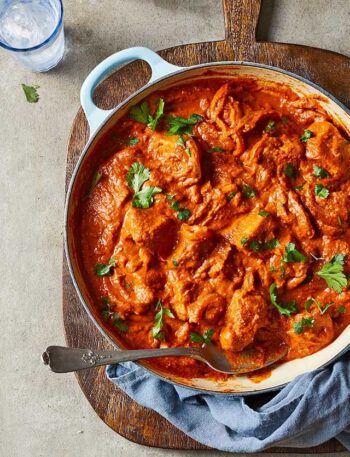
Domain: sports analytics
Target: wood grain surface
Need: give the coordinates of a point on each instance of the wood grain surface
(328, 69)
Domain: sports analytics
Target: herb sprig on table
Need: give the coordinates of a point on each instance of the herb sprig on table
(31, 93)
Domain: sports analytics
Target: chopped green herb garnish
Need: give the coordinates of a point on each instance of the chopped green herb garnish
(31, 93)
(157, 328)
(118, 323)
(299, 327)
(141, 113)
(95, 180)
(320, 172)
(333, 273)
(244, 241)
(282, 271)
(290, 171)
(175, 263)
(180, 125)
(183, 214)
(271, 125)
(136, 177)
(286, 309)
(308, 304)
(131, 141)
(322, 309)
(272, 269)
(341, 309)
(181, 142)
(257, 246)
(306, 136)
(293, 255)
(264, 213)
(216, 149)
(300, 187)
(321, 191)
(103, 269)
(202, 339)
(340, 222)
(175, 206)
(231, 195)
(248, 192)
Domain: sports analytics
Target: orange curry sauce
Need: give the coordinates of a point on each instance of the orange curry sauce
(248, 201)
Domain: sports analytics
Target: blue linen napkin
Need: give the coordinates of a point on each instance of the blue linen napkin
(308, 411)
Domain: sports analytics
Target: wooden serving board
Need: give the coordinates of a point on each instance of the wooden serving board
(328, 69)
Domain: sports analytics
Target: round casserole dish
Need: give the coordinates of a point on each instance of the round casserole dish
(165, 75)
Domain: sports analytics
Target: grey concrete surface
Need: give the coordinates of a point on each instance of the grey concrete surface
(41, 414)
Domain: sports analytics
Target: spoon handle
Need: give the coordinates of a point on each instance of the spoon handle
(63, 360)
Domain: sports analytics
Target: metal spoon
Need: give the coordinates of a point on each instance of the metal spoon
(63, 360)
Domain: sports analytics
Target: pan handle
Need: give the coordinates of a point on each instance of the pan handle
(95, 115)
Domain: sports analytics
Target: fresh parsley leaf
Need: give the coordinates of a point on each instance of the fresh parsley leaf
(341, 309)
(290, 171)
(321, 191)
(248, 192)
(244, 241)
(175, 206)
(270, 126)
(95, 180)
(157, 328)
(102, 269)
(257, 246)
(300, 187)
(131, 141)
(202, 339)
(153, 121)
(306, 136)
(119, 323)
(264, 213)
(322, 309)
(332, 272)
(180, 125)
(293, 255)
(136, 177)
(183, 214)
(175, 263)
(286, 309)
(31, 93)
(231, 195)
(181, 142)
(140, 113)
(299, 327)
(144, 198)
(272, 269)
(216, 149)
(320, 172)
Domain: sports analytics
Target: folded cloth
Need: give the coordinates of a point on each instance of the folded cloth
(308, 411)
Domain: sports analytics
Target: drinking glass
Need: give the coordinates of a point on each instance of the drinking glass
(32, 31)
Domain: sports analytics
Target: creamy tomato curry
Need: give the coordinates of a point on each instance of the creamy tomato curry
(221, 216)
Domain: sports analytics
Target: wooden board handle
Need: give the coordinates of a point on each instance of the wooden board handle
(241, 20)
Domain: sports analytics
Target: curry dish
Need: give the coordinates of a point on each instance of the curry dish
(220, 216)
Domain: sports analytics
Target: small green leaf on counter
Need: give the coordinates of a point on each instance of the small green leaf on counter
(31, 93)
(299, 327)
(306, 136)
(321, 191)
